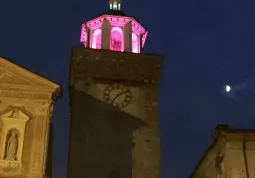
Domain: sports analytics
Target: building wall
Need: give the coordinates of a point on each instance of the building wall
(35, 139)
(49, 165)
(240, 159)
(250, 152)
(106, 141)
(232, 156)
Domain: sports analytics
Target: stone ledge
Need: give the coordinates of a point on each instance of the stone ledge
(10, 164)
(22, 94)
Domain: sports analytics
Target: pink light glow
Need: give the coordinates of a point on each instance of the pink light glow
(134, 43)
(84, 37)
(96, 39)
(144, 38)
(117, 37)
(116, 42)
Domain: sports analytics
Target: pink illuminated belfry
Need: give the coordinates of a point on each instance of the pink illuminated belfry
(114, 30)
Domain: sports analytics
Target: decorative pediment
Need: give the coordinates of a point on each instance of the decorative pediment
(15, 76)
(8, 78)
(15, 114)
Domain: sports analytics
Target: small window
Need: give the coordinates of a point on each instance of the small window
(118, 6)
(111, 6)
(115, 5)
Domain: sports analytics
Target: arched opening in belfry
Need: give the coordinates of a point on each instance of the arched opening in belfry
(134, 43)
(96, 39)
(116, 41)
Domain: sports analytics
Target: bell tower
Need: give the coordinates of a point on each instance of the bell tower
(113, 89)
(114, 30)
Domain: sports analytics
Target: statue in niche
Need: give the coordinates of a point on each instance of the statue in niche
(116, 44)
(11, 147)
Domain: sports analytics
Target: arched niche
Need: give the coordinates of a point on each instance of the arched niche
(96, 39)
(116, 40)
(135, 43)
(14, 125)
(11, 145)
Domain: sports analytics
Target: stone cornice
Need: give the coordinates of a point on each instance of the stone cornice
(25, 94)
(26, 88)
(239, 136)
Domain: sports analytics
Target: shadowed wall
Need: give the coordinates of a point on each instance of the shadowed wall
(105, 141)
(101, 137)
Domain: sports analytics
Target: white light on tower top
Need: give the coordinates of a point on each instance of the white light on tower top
(115, 4)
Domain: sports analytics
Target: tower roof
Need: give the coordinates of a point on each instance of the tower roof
(114, 12)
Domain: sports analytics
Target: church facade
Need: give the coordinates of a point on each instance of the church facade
(26, 105)
(113, 89)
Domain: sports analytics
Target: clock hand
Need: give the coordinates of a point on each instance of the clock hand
(118, 96)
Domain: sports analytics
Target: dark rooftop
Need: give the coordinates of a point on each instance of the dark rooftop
(114, 12)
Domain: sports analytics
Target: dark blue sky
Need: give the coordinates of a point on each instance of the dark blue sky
(206, 43)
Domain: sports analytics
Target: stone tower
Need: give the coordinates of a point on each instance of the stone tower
(26, 105)
(114, 130)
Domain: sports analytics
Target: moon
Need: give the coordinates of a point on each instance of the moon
(227, 88)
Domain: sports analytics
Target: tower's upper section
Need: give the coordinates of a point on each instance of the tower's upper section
(114, 30)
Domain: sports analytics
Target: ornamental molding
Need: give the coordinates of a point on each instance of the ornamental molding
(10, 164)
(14, 115)
(43, 109)
(24, 94)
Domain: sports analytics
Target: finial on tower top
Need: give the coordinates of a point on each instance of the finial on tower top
(115, 5)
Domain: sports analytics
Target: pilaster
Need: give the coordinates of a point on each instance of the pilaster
(128, 37)
(106, 29)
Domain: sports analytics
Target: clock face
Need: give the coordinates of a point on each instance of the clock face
(117, 95)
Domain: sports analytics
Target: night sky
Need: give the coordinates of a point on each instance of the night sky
(206, 43)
